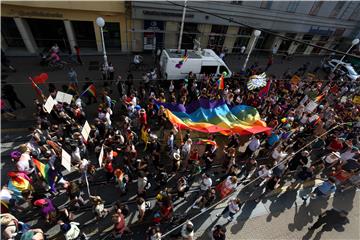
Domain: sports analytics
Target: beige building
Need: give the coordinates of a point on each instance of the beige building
(34, 26)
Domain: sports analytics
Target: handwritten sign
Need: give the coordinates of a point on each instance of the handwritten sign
(86, 131)
(101, 156)
(63, 97)
(49, 104)
(66, 160)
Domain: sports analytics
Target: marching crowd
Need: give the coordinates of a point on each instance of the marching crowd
(140, 149)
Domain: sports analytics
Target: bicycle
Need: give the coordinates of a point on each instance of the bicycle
(139, 67)
(56, 65)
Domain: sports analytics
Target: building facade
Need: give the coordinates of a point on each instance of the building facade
(324, 23)
(34, 26)
(136, 26)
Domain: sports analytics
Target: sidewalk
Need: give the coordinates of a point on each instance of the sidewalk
(286, 217)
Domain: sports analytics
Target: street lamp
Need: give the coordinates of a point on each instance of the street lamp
(101, 23)
(353, 43)
(256, 35)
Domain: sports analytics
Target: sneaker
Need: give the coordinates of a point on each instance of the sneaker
(229, 219)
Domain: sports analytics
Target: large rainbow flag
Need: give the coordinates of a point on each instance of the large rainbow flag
(215, 116)
(18, 182)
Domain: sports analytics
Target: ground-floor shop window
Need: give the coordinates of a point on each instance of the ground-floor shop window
(84, 34)
(10, 33)
(47, 32)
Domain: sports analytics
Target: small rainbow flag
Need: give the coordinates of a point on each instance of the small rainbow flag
(319, 98)
(43, 169)
(91, 89)
(181, 62)
(36, 87)
(206, 141)
(221, 82)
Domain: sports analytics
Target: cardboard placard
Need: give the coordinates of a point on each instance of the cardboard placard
(66, 160)
(311, 106)
(101, 156)
(303, 101)
(49, 104)
(63, 97)
(86, 131)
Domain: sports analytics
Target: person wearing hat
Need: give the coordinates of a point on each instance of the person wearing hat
(176, 162)
(187, 231)
(47, 209)
(71, 230)
(331, 159)
(299, 160)
(98, 207)
(185, 151)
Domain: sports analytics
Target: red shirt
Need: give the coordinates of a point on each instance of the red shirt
(120, 225)
(336, 145)
(109, 167)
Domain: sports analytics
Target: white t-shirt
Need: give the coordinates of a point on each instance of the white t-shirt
(142, 183)
(185, 233)
(75, 155)
(265, 173)
(5, 195)
(23, 164)
(254, 144)
(278, 155)
(206, 183)
(233, 207)
(229, 184)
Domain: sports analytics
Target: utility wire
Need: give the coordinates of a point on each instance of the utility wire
(254, 180)
(265, 30)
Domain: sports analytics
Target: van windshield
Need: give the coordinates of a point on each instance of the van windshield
(223, 69)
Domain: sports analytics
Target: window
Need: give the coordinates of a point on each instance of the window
(219, 29)
(339, 32)
(112, 35)
(245, 31)
(216, 40)
(266, 4)
(84, 33)
(239, 43)
(315, 8)
(337, 9)
(292, 6)
(355, 13)
(208, 69)
(11, 33)
(237, 2)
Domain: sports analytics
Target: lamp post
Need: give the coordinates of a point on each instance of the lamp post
(256, 35)
(101, 23)
(353, 43)
(182, 26)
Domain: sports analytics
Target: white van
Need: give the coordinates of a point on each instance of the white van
(199, 62)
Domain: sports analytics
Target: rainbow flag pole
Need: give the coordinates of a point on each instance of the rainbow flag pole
(91, 89)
